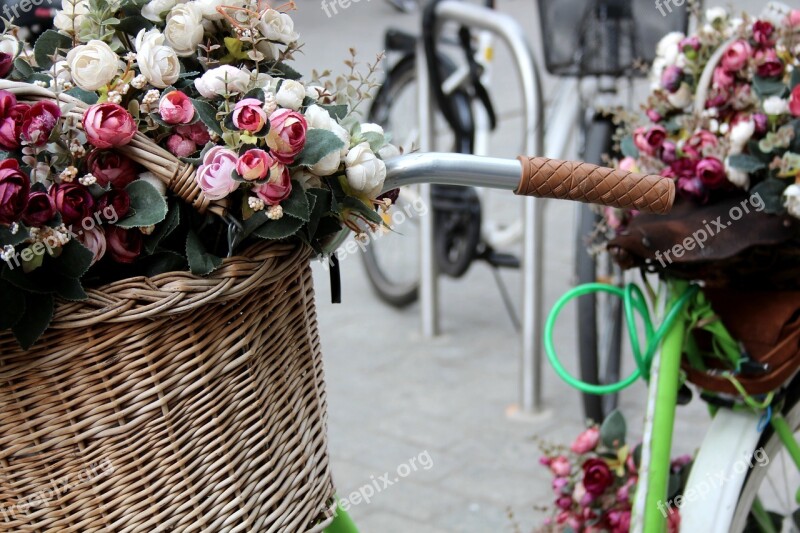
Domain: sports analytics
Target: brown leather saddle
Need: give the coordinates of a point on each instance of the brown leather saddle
(749, 262)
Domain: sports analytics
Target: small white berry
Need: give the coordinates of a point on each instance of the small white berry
(275, 212)
(139, 82)
(256, 204)
(87, 180)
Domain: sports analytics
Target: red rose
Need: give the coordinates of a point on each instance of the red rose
(249, 115)
(40, 209)
(711, 172)
(123, 245)
(649, 141)
(14, 189)
(197, 132)
(108, 125)
(692, 188)
(287, 135)
(113, 205)
(768, 64)
(11, 120)
(73, 201)
(176, 108)
(111, 168)
(275, 190)
(6, 64)
(39, 121)
(762, 32)
(794, 101)
(597, 477)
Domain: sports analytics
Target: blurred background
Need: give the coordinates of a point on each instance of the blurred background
(395, 396)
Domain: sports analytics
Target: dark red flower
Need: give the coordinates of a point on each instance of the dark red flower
(762, 32)
(11, 125)
(711, 172)
(112, 168)
(597, 477)
(6, 64)
(40, 209)
(768, 64)
(113, 205)
(693, 189)
(14, 189)
(73, 201)
(124, 245)
(39, 121)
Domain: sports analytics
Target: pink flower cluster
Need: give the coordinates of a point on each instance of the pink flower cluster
(22, 122)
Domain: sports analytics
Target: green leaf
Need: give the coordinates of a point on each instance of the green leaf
(13, 305)
(162, 262)
(628, 148)
(279, 229)
(38, 313)
(375, 140)
(69, 288)
(46, 45)
(771, 192)
(363, 209)
(75, 259)
(87, 97)
(208, 114)
(163, 231)
(282, 70)
(765, 87)
(337, 112)
(6, 237)
(132, 24)
(296, 205)
(23, 68)
(795, 81)
(319, 143)
(746, 162)
(320, 206)
(256, 93)
(612, 432)
(148, 207)
(200, 261)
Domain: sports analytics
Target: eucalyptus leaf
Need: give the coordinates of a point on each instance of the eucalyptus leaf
(746, 163)
(613, 430)
(87, 97)
(319, 143)
(208, 114)
(771, 192)
(296, 205)
(336, 111)
(148, 207)
(628, 148)
(46, 46)
(201, 262)
(23, 68)
(765, 87)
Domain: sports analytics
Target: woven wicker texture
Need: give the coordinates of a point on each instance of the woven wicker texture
(177, 175)
(172, 403)
(569, 180)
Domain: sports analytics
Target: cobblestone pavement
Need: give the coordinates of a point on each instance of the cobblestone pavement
(396, 397)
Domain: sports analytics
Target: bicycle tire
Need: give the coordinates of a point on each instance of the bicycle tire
(771, 443)
(597, 143)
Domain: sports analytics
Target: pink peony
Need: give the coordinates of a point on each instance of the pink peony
(197, 132)
(254, 164)
(723, 78)
(276, 189)
(214, 175)
(560, 466)
(176, 108)
(648, 141)
(768, 64)
(711, 172)
(794, 101)
(180, 145)
(11, 120)
(736, 56)
(39, 121)
(95, 240)
(586, 441)
(108, 125)
(14, 189)
(124, 245)
(287, 135)
(249, 115)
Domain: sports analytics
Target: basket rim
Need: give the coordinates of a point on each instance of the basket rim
(177, 292)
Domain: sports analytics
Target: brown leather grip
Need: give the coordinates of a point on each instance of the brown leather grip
(574, 180)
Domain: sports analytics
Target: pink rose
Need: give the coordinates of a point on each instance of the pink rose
(794, 18)
(586, 441)
(597, 477)
(560, 466)
(673, 521)
(564, 502)
(14, 189)
(249, 115)
(693, 189)
(696, 145)
(95, 240)
(214, 175)
(794, 101)
(768, 64)
(111, 168)
(39, 121)
(736, 56)
(648, 141)
(113, 205)
(680, 462)
(681, 168)
(176, 108)
(653, 115)
(671, 78)
(276, 189)
(762, 32)
(711, 172)
(287, 135)
(197, 132)
(722, 78)
(620, 521)
(559, 483)
(6, 64)
(11, 119)
(180, 145)
(124, 245)
(108, 125)
(254, 164)
(628, 164)
(762, 123)
(40, 209)
(73, 201)
(668, 152)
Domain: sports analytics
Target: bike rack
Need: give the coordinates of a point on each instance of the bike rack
(510, 32)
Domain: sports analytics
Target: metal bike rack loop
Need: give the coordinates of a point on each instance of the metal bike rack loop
(510, 32)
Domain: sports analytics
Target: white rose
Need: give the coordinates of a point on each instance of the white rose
(156, 10)
(792, 202)
(93, 65)
(291, 95)
(71, 9)
(682, 97)
(668, 47)
(151, 178)
(9, 45)
(314, 91)
(184, 30)
(159, 63)
(318, 118)
(737, 176)
(278, 27)
(714, 14)
(775, 105)
(365, 172)
(330, 163)
(369, 127)
(388, 151)
(741, 133)
(221, 80)
(306, 179)
(209, 8)
(60, 71)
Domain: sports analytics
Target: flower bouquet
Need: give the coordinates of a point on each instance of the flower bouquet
(594, 481)
(164, 178)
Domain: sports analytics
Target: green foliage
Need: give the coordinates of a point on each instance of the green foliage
(319, 143)
(46, 46)
(148, 207)
(613, 430)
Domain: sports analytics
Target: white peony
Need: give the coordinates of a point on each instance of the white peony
(71, 15)
(291, 95)
(93, 65)
(184, 30)
(159, 63)
(775, 105)
(221, 80)
(369, 127)
(157, 10)
(737, 176)
(330, 163)
(668, 47)
(365, 172)
(277, 27)
(317, 117)
(741, 133)
(209, 8)
(792, 201)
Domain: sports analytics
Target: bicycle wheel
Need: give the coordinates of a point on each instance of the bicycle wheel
(392, 260)
(773, 485)
(599, 315)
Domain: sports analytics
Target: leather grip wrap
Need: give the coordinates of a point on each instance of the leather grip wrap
(574, 180)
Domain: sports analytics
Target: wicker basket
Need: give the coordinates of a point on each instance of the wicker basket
(172, 403)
